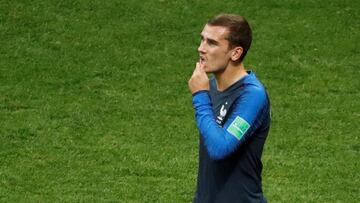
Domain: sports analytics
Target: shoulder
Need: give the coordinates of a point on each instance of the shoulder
(253, 91)
(256, 90)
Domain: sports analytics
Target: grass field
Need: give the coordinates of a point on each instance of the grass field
(94, 105)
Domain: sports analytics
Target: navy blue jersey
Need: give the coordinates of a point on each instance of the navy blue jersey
(233, 127)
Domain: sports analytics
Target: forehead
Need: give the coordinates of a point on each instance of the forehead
(217, 33)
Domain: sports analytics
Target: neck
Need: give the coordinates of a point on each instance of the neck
(229, 76)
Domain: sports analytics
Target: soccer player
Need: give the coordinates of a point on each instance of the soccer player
(232, 113)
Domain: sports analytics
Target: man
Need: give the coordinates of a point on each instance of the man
(232, 112)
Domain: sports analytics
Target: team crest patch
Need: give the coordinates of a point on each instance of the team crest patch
(238, 127)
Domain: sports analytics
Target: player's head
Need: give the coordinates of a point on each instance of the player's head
(225, 39)
(239, 31)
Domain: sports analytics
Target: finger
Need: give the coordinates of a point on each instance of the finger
(195, 71)
(202, 67)
(197, 67)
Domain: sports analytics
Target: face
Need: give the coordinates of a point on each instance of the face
(214, 49)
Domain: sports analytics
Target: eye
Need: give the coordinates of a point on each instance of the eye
(212, 43)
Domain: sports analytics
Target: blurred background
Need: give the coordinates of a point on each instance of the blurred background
(94, 103)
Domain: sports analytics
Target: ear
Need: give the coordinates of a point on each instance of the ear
(236, 53)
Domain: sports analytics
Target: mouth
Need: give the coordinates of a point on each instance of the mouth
(202, 60)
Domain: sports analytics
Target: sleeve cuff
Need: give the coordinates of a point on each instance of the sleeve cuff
(201, 98)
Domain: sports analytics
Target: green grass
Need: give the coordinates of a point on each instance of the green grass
(94, 104)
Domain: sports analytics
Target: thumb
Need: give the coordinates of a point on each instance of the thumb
(201, 66)
(197, 67)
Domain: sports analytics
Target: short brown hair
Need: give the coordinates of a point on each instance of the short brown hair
(240, 33)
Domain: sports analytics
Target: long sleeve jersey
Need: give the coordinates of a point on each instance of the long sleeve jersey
(233, 126)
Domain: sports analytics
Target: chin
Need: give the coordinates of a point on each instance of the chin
(207, 70)
(218, 70)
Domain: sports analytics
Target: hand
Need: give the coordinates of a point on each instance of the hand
(199, 79)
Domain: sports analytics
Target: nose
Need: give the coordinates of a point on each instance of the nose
(201, 48)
